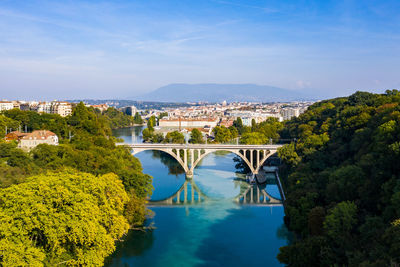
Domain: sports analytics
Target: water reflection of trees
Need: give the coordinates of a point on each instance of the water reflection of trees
(172, 164)
(134, 244)
(241, 166)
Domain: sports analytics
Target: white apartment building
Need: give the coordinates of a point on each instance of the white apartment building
(288, 113)
(44, 107)
(55, 107)
(61, 108)
(6, 105)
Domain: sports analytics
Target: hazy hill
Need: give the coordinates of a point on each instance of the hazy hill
(219, 92)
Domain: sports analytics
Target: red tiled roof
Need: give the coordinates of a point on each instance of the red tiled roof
(40, 134)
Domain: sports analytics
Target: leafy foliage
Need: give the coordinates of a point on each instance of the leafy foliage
(35, 212)
(117, 119)
(174, 137)
(259, 133)
(223, 134)
(62, 217)
(343, 182)
(196, 137)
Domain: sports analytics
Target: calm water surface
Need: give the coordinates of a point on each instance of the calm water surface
(215, 232)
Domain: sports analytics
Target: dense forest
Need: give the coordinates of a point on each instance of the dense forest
(68, 204)
(342, 182)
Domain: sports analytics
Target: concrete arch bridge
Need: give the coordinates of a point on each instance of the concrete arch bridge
(189, 155)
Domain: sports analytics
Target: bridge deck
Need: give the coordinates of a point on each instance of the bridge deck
(201, 146)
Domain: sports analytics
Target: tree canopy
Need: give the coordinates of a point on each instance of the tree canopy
(87, 176)
(68, 218)
(342, 181)
(196, 137)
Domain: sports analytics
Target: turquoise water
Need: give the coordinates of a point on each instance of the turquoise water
(214, 232)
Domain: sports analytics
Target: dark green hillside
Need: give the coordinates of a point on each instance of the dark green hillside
(343, 182)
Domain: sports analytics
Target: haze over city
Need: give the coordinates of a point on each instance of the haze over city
(124, 49)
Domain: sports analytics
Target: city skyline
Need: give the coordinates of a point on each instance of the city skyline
(119, 49)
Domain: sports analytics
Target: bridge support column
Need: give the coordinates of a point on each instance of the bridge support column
(251, 158)
(185, 159)
(191, 158)
(189, 175)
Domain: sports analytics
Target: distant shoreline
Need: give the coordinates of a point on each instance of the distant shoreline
(115, 128)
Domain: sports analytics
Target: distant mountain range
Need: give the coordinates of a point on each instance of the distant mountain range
(211, 92)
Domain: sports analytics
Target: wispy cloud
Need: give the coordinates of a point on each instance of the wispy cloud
(90, 46)
(262, 8)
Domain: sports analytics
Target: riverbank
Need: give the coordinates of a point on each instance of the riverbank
(129, 126)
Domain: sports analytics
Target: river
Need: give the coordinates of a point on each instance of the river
(215, 231)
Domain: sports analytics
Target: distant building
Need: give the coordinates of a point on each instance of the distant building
(101, 107)
(288, 113)
(25, 106)
(16, 104)
(189, 123)
(6, 105)
(226, 122)
(131, 110)
(16, 135)
(246, 121)
(61, 108)
(43, 107)
(31, 140)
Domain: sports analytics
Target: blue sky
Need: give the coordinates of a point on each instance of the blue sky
(121, 49)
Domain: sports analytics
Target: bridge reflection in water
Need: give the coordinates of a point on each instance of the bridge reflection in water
(256, 194)
(189, 193)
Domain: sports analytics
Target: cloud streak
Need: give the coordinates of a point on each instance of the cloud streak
(126, 48)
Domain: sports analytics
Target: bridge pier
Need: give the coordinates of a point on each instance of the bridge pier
(189, 174)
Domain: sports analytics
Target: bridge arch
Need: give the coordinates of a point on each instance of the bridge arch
(189, 160)
(209, 151)
(169, 152)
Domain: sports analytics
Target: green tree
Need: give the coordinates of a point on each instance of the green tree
(347, 154)
(254, 138)
(222, 134)
(238, 124)
(234, 132)
(288, 154)
(339, 225)
(116, 118)
(151, 122)
(147, 135)
(196, 137)
(162, 115)
(253, 124)
(137, 118)
(174, 137)
(61, 218)
(8, 123)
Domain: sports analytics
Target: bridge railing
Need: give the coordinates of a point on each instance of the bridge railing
(231, 142)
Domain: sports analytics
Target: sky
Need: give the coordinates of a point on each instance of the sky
(122, 49)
